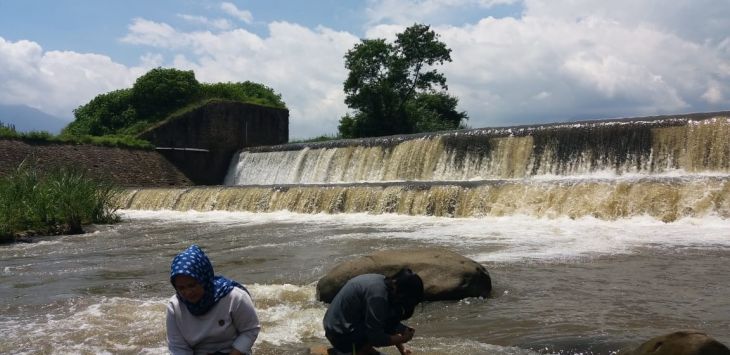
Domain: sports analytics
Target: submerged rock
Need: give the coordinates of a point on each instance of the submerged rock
(681, 343)
(445, 274)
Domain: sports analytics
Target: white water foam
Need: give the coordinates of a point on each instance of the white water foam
(289, 314)
(495, 239)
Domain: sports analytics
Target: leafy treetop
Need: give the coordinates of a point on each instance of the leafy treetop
(395, 88)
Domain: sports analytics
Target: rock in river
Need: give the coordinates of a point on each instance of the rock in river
(445, 274)
(681, 343)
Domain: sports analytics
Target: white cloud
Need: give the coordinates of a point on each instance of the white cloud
(57, 82)
(406, 12)
(714, 93)
(695, 20)
(151, 33)
(232, 10)
(578, 59)
(305, 65)
(221, 24)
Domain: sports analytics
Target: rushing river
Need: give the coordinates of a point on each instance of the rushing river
(567, 286)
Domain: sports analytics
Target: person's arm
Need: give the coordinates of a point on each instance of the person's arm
(402, 338)
(175, 341)
(246, 322)
(375, 317)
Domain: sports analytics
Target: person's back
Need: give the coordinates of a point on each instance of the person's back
(367, 311)
(358, 309)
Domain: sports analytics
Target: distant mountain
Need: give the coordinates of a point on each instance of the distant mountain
(26, 119)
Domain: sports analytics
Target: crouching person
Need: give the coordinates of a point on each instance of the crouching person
(367, 313)
(208, 314)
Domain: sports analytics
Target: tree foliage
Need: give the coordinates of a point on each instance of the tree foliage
(161, 91)
(103, 115)
(153, 97)
(395, 88)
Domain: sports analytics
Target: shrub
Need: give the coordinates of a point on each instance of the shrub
(58, 202)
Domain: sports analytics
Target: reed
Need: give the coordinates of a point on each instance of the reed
(60, 201)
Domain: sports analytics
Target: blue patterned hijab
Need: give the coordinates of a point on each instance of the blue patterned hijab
(193, 262)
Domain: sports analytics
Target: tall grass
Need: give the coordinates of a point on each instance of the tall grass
(60, 201)
(8, 131)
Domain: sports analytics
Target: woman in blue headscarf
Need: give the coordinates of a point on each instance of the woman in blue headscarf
(208, 314)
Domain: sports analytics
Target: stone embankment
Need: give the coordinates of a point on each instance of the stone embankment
(123, 166)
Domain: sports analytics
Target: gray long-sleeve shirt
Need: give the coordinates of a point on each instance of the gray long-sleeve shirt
(231, 323)
(361, 309)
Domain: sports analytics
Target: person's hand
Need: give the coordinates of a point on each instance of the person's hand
(408, 334)
(403, 350)
(235, 352)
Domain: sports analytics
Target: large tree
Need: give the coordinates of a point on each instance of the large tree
(394, 88)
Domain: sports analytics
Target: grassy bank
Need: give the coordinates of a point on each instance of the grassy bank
(61, 201)
(121, 141)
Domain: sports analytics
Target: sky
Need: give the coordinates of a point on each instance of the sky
(514, 62)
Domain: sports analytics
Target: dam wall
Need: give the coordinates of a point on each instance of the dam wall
(666, 168)
(202, 141)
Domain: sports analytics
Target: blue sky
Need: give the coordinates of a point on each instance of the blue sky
(514, 61)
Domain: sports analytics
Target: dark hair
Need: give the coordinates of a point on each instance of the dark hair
(409, 289)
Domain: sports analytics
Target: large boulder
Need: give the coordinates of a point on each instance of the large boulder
(445, 274)
(681, 343)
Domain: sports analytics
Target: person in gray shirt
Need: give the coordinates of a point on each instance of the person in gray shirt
(368, 310)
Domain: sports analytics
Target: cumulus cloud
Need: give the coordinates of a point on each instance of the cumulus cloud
(57, 82)
(424, 11)
(695, 20)
(231, 9)
(151, 33)
(221, 24)
(570, 59)
(305, 65)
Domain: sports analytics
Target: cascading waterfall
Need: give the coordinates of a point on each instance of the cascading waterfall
(664, 199)
(666, 168)
(579, 149)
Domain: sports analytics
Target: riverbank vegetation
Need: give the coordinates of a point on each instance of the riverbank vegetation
(9, 132)
(59, 201)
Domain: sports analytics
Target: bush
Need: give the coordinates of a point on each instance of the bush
(320, 138)
(7, 130)
(58, 202)
(246, 92)
(105, 114)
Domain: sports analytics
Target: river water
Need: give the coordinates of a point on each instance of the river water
(561, 286)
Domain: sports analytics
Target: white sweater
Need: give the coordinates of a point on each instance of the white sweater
(231, 323)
